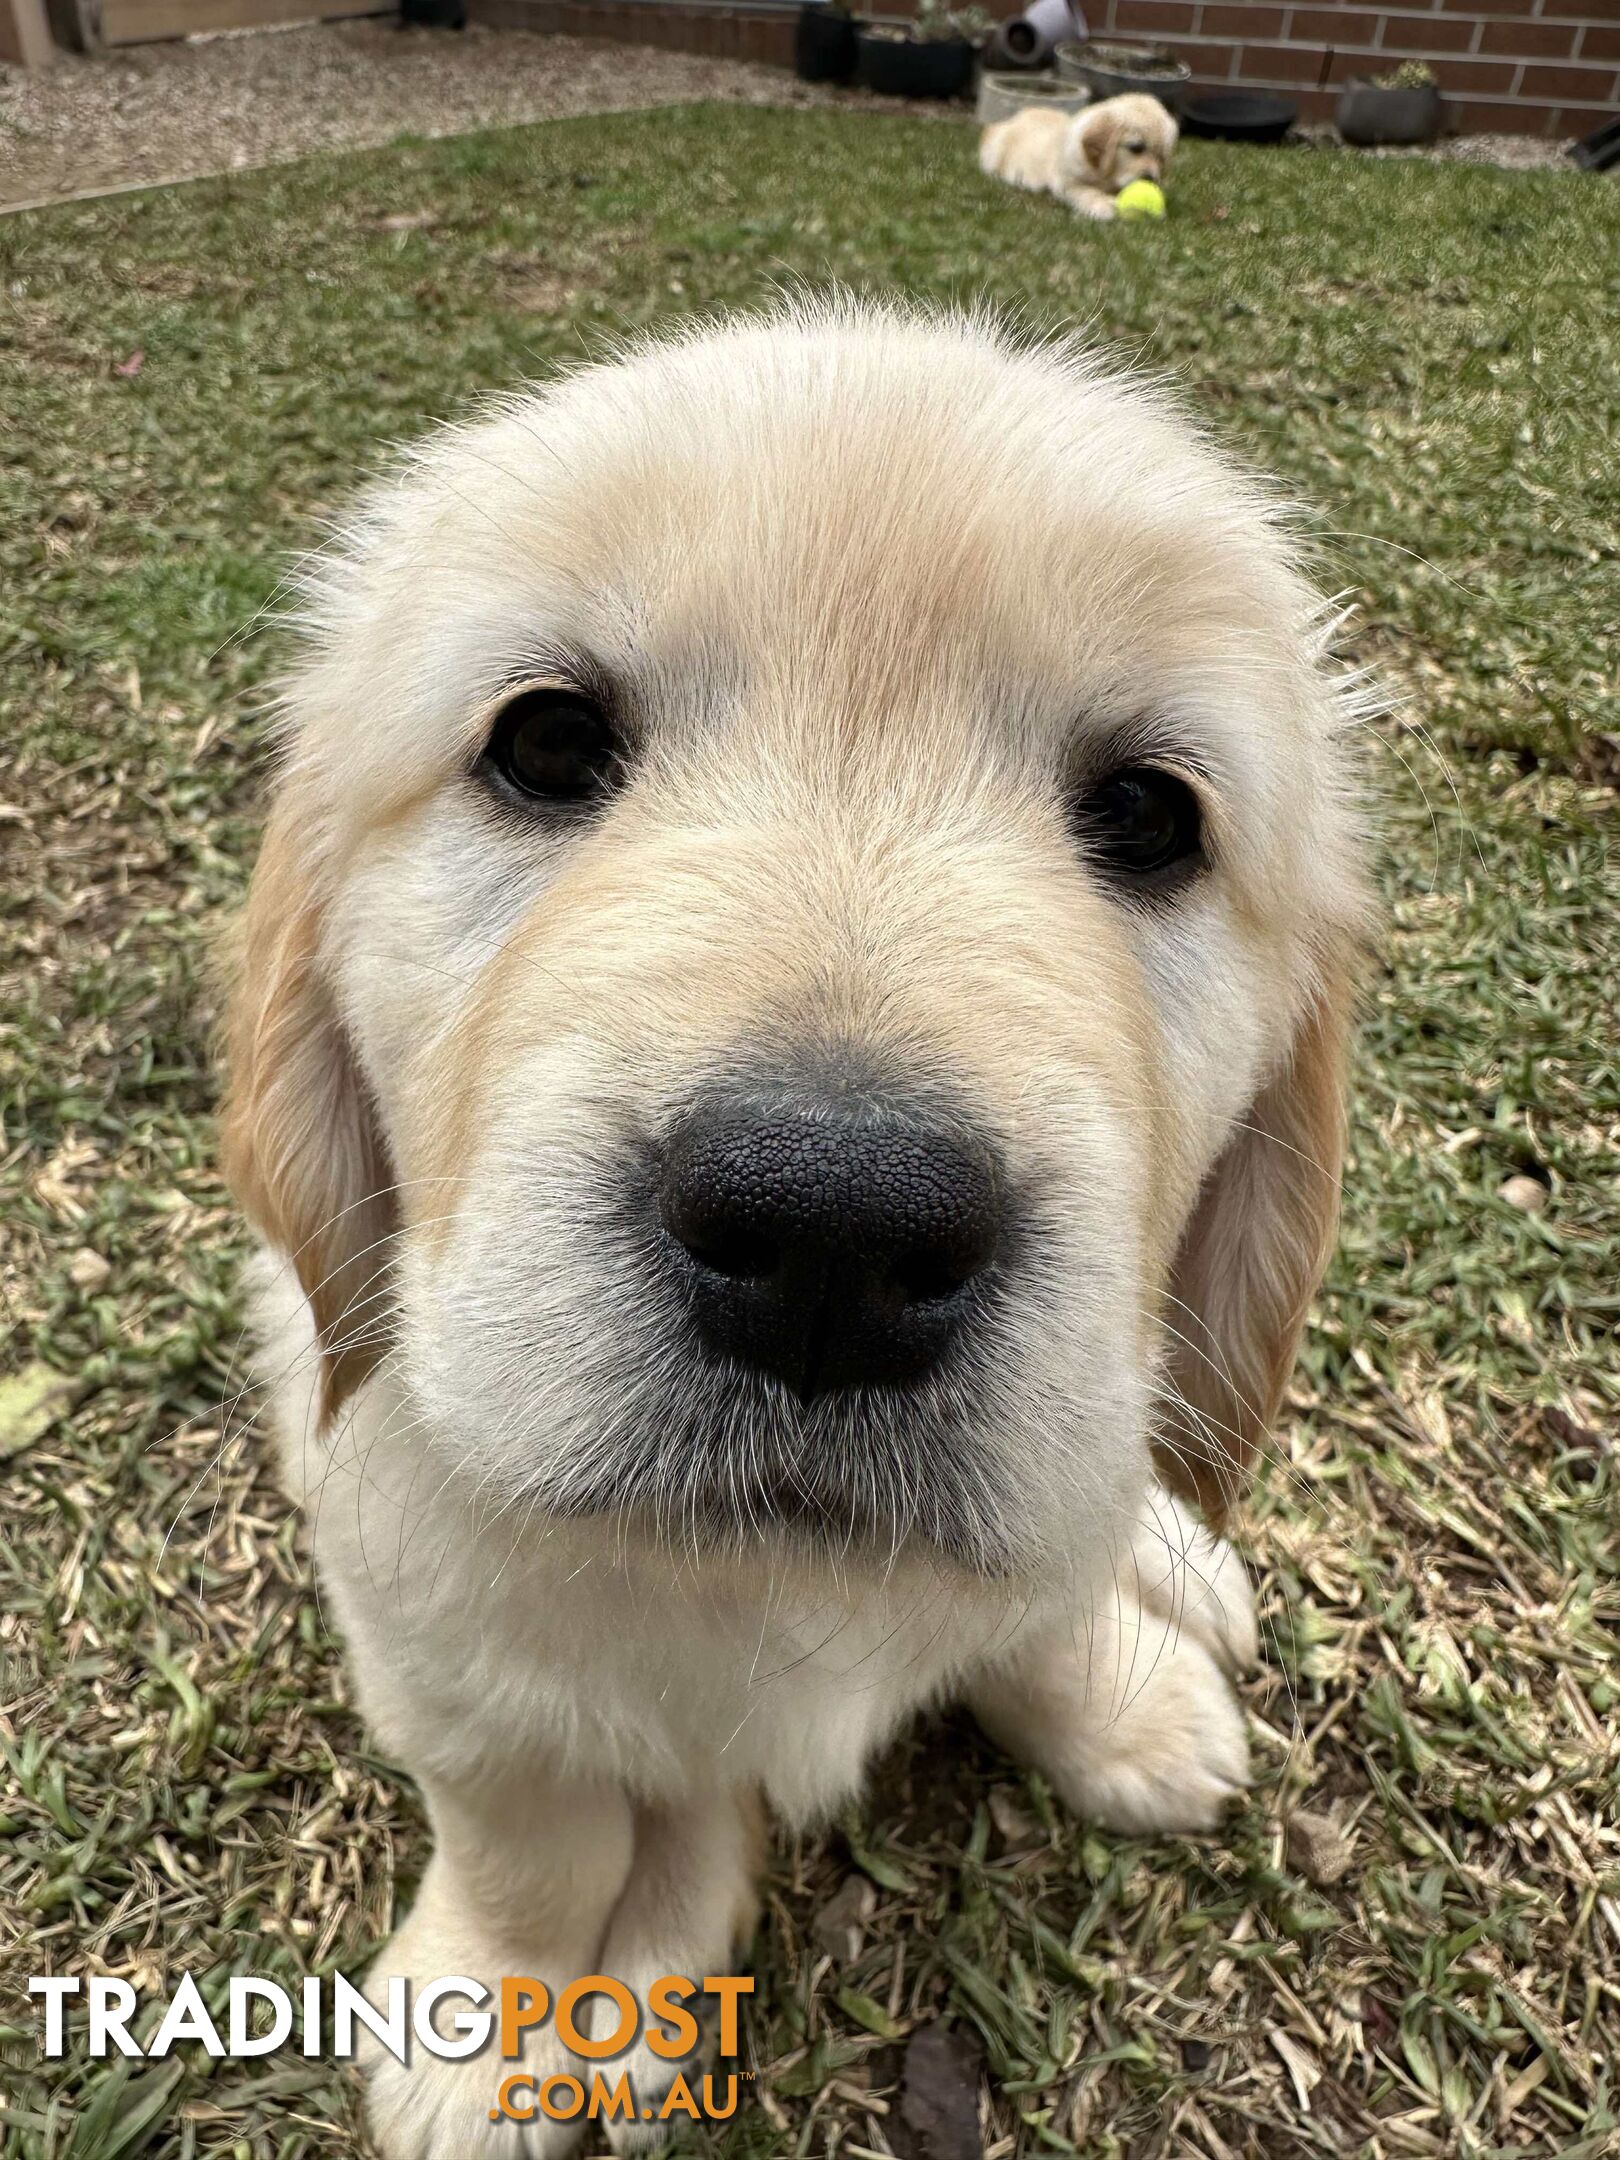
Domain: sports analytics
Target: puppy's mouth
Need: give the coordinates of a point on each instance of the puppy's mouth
(788, 1325)
(823, 1252)
(731, 1462)
(705, 1453)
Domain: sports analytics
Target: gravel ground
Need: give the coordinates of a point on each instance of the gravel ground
(1519, 153)
(152, 113)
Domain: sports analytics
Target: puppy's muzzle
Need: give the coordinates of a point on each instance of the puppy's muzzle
(829, 1247)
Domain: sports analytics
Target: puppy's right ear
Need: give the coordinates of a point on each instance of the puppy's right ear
(302, 1150)
(1099, 137)
(1253, 1255)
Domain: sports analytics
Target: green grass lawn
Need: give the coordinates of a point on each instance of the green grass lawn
(1430, 355)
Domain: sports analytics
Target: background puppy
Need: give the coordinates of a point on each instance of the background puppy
(1084, 158)
(787, 1056)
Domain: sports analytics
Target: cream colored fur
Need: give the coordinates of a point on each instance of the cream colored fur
(876, 587)
(1083, 158)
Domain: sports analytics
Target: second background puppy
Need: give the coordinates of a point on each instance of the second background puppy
(1083, 158)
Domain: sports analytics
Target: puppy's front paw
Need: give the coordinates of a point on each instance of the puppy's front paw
(1173, 1758)
(690, 1908)
(434, 2107)
(1196, 1582)
(1128, 1710)
(1098, 207)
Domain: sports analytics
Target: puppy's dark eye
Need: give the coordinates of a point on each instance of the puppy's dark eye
(1141, 825)
(552, 746)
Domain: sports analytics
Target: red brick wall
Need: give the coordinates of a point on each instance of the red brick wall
(732, 33)
(1522, 67)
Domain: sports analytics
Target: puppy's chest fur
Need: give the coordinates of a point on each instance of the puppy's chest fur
(493, 1636)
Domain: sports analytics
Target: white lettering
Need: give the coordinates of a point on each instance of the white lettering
(55, 1994)
(112, 2004)
(245, 1991)
(473, 2027)
(348, 2004)
(187, 2019)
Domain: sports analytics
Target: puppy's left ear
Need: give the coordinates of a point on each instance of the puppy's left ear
(299, 1134)
(1099, 135)
(1253, 1256)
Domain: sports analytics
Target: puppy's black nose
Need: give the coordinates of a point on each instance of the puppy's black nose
(830, 1249)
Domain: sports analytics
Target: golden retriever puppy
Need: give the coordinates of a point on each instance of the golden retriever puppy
(787, 1059)
(1083, 158)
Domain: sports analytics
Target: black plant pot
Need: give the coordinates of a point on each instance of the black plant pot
(1252, 116)
(907, 67)
(1374, 119)
(824, 44)
(1599, 150)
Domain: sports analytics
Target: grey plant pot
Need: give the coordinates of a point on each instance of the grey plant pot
(1375, 119)
(1121, 70)
(1000, 96)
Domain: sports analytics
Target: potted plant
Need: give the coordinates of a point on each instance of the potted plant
(931, 56)
(1126, 70)
(824, 42)
(1402, 106)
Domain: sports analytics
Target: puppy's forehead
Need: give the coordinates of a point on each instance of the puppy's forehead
(917, 532)
(832, 493)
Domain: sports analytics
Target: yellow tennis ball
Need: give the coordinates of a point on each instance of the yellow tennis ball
(1142, 198)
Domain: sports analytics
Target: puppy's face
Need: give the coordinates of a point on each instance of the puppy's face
(1126, 138)
(794, 982)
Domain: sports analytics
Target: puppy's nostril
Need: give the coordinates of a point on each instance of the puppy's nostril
(928, 1278)
(738, 1254)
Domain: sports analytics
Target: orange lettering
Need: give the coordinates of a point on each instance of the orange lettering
(568, 2002)
(679, 2097)
(506, 2102)
(664, 2000)
(729, 1988)
(712, 2108)
(557, 2110)
(613, 2102)
(523, 2003)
